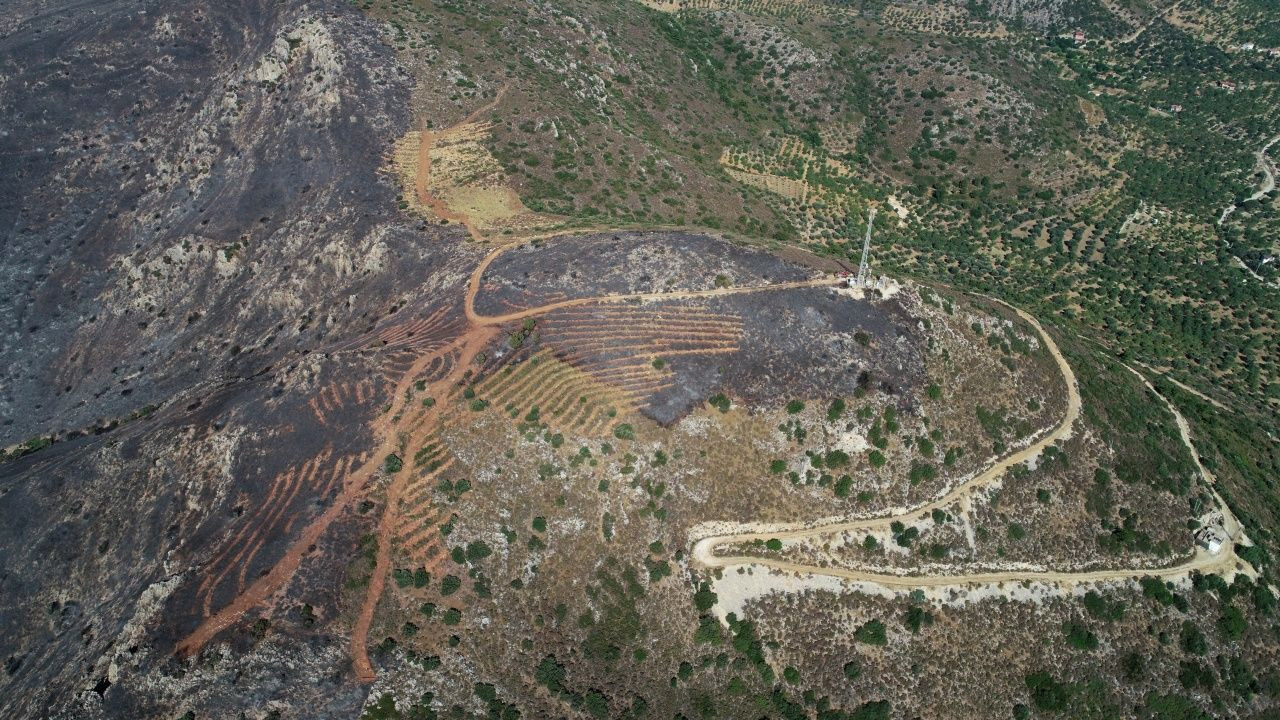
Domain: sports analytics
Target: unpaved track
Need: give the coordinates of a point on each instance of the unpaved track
(403, 428)
(1143, 28)
(427, 422)
(623, 297)
(422, 179)
(1268, 181)
(704, 549)
(1230, 523)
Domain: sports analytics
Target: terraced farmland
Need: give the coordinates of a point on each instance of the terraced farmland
(544, 388)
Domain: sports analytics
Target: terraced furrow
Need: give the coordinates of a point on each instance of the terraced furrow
(594, 315)
(650, 347)
(274, 516)
(642, 328)
(217, 567)
(265, 528)
(546, 374)
(418, 517)
(563, 381)
(498, 383)
(569, 397)
(625, 343)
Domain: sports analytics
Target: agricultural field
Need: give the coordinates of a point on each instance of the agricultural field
(420, 359)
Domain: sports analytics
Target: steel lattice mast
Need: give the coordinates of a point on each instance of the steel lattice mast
(866, 250)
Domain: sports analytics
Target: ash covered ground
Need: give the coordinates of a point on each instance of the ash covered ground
(193, 219)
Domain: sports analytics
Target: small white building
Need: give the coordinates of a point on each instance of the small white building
(1211, 538)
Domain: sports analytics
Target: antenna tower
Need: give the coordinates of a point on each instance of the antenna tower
(863, 270)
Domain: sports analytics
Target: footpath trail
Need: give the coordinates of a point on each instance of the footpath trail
(1226, 559)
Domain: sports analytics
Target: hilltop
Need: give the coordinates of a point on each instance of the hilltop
(414, 358)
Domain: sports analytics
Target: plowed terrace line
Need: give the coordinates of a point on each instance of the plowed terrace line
(402, 428)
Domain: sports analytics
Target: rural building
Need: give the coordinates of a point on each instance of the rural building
(1211, 538)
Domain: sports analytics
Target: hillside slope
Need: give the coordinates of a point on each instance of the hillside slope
(417, 358)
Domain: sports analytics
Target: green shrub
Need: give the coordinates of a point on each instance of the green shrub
(392, 464)
(1191, 639)
(872, 633)
(1232, 624)
(1100, 608)
(704, 599)
(843, 486)
(709, 631)
(477, 550)
(450, 585)
(1079, 637)
(916, 617)
(835, 410)
(836, 459)
(1047, 693)
(921, 472)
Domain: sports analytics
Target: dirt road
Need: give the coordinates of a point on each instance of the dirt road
(422, 179)
(404, 427)
(1268, 185)
(1143, 28)
(703, 552)
(623, 297)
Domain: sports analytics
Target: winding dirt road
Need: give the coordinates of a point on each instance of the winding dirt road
(406, 426)
(704, 555)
